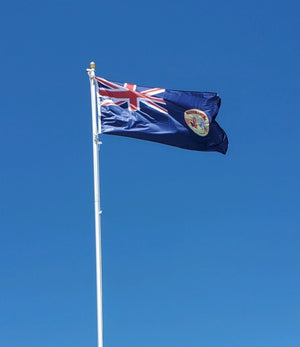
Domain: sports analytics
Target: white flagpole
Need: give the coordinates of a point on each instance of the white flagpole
(96, 147)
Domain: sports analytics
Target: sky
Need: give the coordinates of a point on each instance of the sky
(199, 249)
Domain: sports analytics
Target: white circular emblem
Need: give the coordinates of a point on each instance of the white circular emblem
(198, 121)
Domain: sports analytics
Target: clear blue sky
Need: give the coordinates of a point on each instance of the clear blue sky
(199, 249)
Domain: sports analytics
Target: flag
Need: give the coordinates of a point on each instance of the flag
(184, 119)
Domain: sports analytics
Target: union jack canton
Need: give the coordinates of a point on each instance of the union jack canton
(184, 119)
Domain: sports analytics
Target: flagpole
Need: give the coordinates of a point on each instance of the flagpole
(96, 148)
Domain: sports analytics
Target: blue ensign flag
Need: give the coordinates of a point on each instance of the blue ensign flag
(178, 118)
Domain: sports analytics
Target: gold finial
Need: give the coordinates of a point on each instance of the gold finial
(92, 65)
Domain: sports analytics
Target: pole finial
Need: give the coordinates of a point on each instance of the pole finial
(92, 65)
